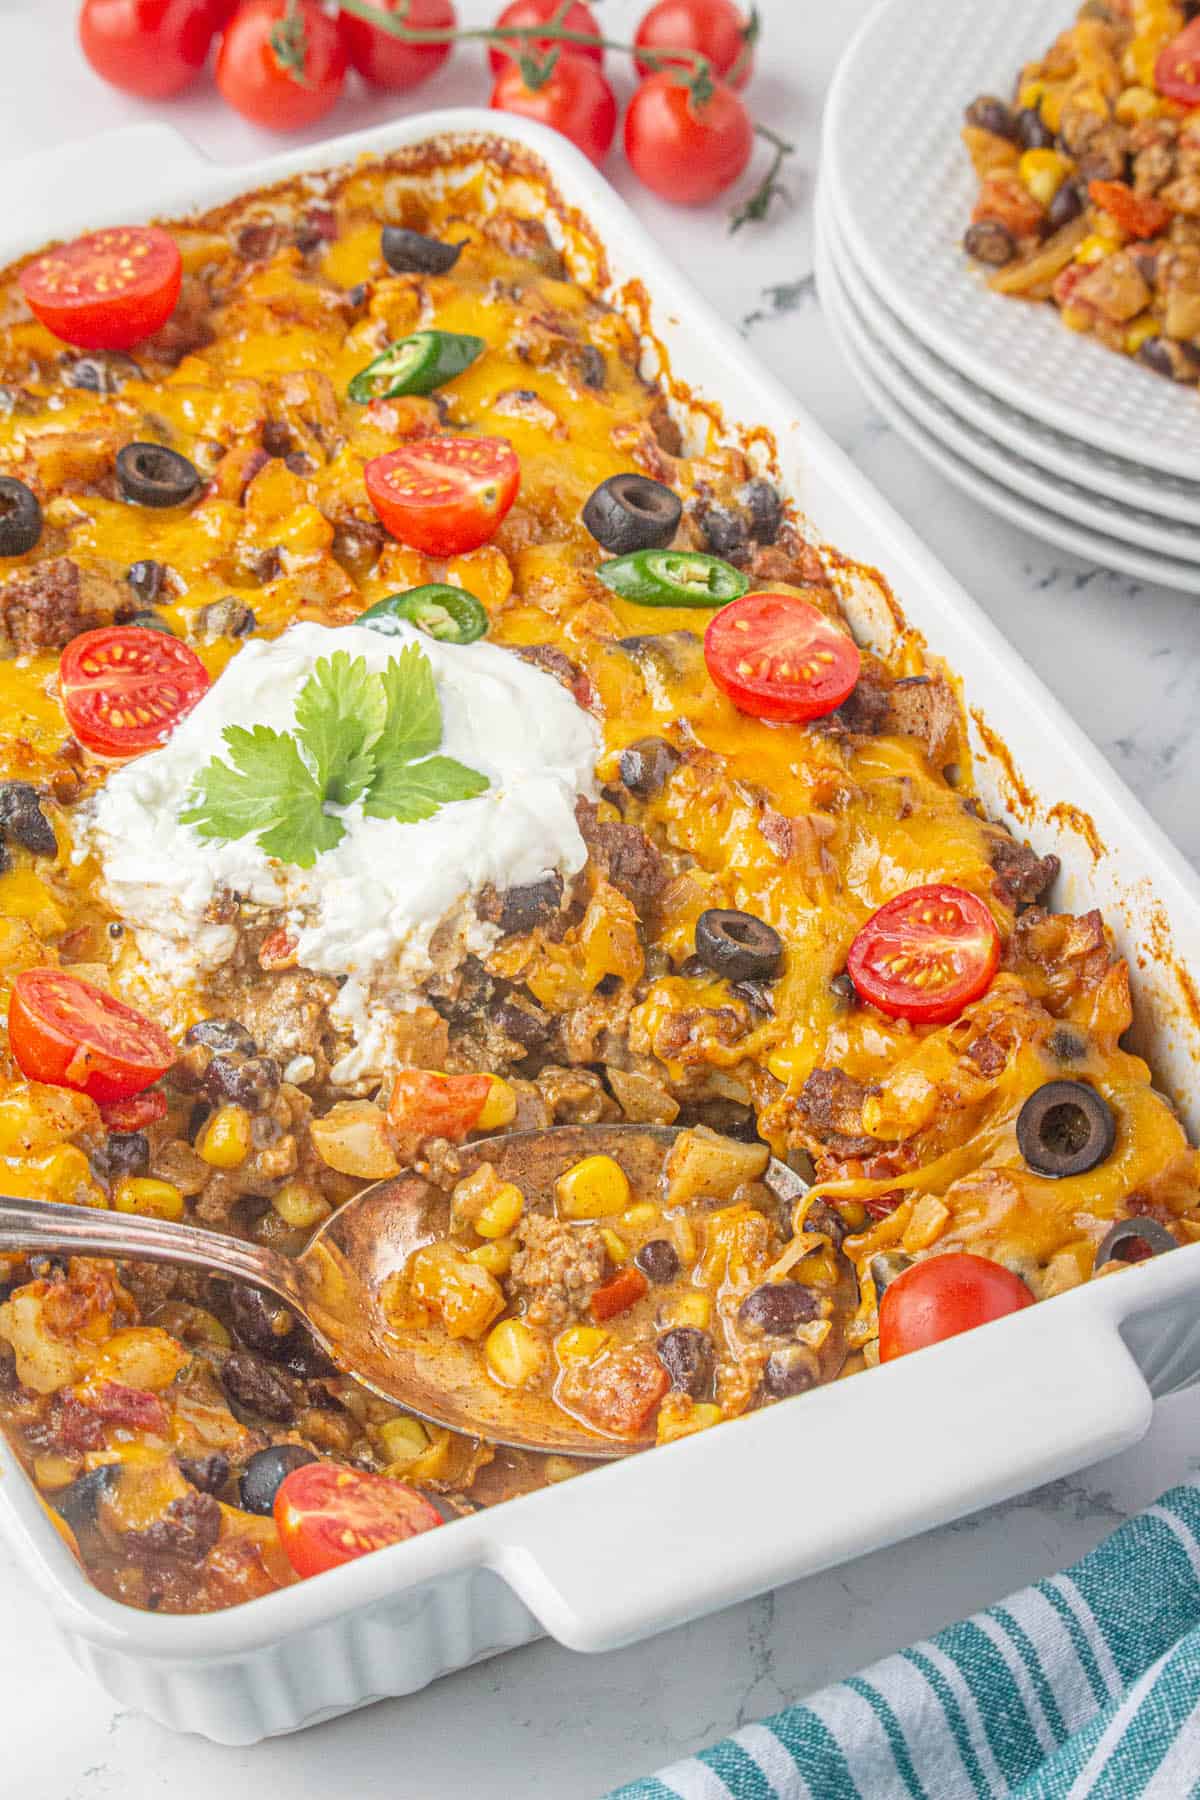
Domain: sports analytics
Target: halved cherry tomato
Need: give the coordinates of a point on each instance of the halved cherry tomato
(687, 152)
(926, 954)
(780, 658)
(1177, 71)
(713, 27)
(618, 1294)
(107, 290)
(147, 47)
(444, 495)
(1138, 215)
(388, 62)
(943, 1295)
(264, 86)
(136, 1113)
(574, 99)
(328, 1514)
(66, 1032)
(125, 689)
(578, 17)
(426, 1104)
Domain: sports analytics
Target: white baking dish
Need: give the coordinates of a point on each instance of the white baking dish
(642, 1545)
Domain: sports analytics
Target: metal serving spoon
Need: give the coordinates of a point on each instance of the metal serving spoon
(335, 1283)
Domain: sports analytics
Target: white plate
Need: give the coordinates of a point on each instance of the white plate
(902, 186)
(1097, 471)
(945, 443)
(1126, 526)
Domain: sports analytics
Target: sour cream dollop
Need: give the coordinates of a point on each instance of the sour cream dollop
(369, 909)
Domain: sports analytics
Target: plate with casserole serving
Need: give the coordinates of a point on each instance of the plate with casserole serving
(1073, 192)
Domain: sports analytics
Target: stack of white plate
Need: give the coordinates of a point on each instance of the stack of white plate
(1078, 445)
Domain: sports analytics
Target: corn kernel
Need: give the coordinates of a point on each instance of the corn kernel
(1136, 104)
(495, 1257)
(618, 1249)
(513, 1353)
(1030, 94)
(559, 1468)
(683, 1420)
(1043, 173)
(225, 1140)
(402, 1440)
(435, 1463)
(150, 1198)
(24, 895)
(500, 1107)
(693, 1309)
(1139, 331)
(1094, 248)
(595, 1188)
(499, 1216)
(301, 1206)
(54, 1472)
(1076, 318)
(579, 1343)
(640, 1215)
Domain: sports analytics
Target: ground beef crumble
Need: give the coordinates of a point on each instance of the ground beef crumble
(556, 1269)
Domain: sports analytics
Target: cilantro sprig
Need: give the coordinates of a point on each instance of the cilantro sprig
(359, 736)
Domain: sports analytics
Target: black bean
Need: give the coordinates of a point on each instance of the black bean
(127, 1153)
(1154, 354)
(1065, 1128)
(988, 241)
(737, 945)
(647, 765)
(259, 1319)
(522, 1021)
(358, 295)
(989, 114)
(152, 475)
(222, 1034)
(521, 908)
(411, 253)
(265, 1471)
(776, 1308)
(844, 988)
(207, 1473)
(632, 512)
(20, 517)
(149, 621)
(1066, 1045)
(885, 1266)
(725, 532)
(100, 371)
(757, 996)
(304, 1358)
(23, 821)
(822, 1217)
(251, 1384)
(792, 1369)
(730, 1118)
(764, 504)
(78, 1502)
(229, 617)
(658, 1260)
(252, 1084)
(1032, 132)
(146, 579)
(686, 1353)
(593, 370)
(1066, 205)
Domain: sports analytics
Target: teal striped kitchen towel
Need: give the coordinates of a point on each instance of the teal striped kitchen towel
(1085, 1684)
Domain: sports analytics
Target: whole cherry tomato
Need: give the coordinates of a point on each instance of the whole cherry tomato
(388, 62)
(539, 12)
(575, 99)
(149, 47)
(107, 290)
(64, 1031)
(685, 150)
(279, 73)
(713, 27)
(943, 1295)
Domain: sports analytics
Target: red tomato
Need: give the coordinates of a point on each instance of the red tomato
(147, 47)
(618, 1294)
(137, 1409)
(1138, 215)
(620, 1390)
(328, 1514)
(264, 87)
(687, 153)
(426, 1104)
(778, 657)
(66, 1032)
(943, 1295)
(136, 1113)
(124, 689)
(539, 12)
(1177, 71)
(444, 495)
(575, 99)
(388, 62)
(926, 954)
(107, 290)
(713, 27)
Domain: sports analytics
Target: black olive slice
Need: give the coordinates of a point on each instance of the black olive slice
(647, 765)
(1119, 1239)
(1065, 1128)
(79, 1501)
(20, 517)
(737, 945)
(410, 253)
(263, 1474)
(151, 475)
(631, 512)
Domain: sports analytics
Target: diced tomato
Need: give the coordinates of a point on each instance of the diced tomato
(125, 689)
(137, 1112)
(1177, 70)
(618, 1294)
(882, 1206)
(621, 1391)
(278, 949)
(426, 1104)
(1005, 197)
(136, 1408)
(926, 954)
(77, 1427)
(66, 1032)
(943, 1295)
(328, 1514)
(778, 657)
(444, 495)
(1138, 215)
(107, 290)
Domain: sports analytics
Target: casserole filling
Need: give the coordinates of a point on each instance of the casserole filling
(381, 770)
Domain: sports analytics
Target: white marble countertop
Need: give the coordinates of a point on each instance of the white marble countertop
(1123, 657)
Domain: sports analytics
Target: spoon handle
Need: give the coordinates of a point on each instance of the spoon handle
(44, 1225)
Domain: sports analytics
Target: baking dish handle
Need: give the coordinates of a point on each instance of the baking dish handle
(85, 184)
(834, 1474)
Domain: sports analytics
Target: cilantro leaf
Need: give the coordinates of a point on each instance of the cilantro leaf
(269, 792)
(340, 715)
(410, 791)
(413, 726)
